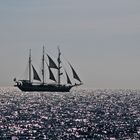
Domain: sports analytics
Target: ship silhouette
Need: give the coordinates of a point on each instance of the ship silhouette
(57, 86)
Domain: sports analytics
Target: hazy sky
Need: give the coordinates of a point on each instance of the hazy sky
(101, 38)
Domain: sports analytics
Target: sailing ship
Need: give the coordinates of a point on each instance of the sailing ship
(42, 85)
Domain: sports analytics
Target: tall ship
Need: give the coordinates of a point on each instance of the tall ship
(35, 83)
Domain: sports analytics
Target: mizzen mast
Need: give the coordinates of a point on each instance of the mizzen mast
(59, 67)
(43, 66)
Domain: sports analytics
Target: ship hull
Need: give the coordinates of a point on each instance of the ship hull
(44, 88)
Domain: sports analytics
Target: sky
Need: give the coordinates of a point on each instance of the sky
(101, 38)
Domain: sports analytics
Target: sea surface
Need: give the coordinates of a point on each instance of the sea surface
(100, 114)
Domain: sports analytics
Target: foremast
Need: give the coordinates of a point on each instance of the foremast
(30, 65)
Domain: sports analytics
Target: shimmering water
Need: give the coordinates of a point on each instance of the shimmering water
(83, 115)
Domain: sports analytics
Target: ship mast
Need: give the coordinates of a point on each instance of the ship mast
(30, 60)
(43, 61)
(59, 67)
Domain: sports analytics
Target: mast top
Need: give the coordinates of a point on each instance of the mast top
(30, 53)
(59, 50)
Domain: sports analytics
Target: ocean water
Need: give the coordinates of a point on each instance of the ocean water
(81, 115)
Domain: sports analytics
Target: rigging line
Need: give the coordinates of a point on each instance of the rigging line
(48, 52)
(67, 60)
(63, 71)
(47, 63)
(63, 67)
(25, 73)
(68, 78)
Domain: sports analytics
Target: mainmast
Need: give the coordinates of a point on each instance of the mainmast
(43, 61)
(30, 61)
(59, 66)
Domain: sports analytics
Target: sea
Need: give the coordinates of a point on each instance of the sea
(96, 114)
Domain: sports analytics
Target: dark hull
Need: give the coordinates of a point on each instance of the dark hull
(43, 88)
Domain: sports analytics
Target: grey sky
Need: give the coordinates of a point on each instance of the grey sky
(101, 38)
